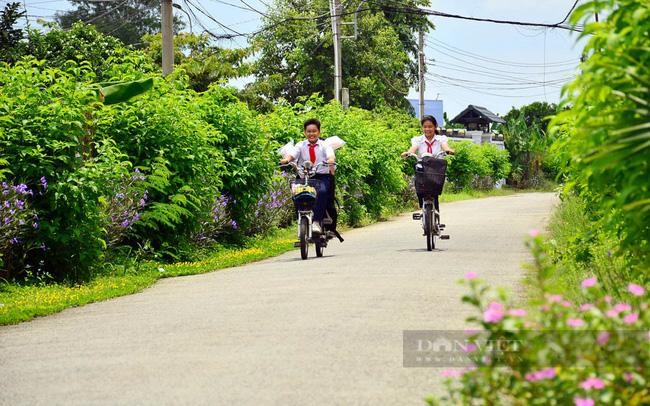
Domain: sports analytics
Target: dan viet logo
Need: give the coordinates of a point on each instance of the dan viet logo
(434, 348)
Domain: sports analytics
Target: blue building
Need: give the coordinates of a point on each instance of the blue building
(431, 107)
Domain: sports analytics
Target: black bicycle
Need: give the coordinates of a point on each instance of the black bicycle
(429, 182)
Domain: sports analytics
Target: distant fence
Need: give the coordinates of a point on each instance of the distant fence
(477, 137)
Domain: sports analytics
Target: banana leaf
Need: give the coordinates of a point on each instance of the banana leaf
(122, 91)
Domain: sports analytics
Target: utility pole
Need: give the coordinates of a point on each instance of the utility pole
(167, 37)
(421, 71)
(335, 13)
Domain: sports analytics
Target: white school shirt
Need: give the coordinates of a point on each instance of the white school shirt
(323, 153)
(421, 143)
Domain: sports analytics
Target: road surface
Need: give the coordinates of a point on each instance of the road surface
(283, 331)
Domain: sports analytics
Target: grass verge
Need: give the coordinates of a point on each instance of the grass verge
(22, 303)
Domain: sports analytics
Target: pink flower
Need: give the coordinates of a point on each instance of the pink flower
(586, 307)
(546, 373)
(583, 402)
(554, 298)
(589, 282)
(631, 318)
(622, 307)
(451, 373)
(628, 377)
(494, 313)
(566, 303)
(534, 232)
(602, 338)
(470, 275)
(612, 313)
(592, 383)
(607, 299)
(575, 322)
(635, 289)
(517, 312)
(470, 347)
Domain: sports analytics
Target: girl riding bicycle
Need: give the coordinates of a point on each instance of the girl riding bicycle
(429, 144)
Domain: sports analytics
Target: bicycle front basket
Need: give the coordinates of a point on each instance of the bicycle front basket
(430, 176)
(304, 194)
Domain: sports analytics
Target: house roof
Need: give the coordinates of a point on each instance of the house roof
(477, 114)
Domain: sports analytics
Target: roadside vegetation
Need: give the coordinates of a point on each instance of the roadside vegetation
(584, 338)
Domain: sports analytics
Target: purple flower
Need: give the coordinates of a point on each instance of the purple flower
(44, 182)
(125, 224)
(14, 241)
(120, 196)
(22, 188)
(35, 224)
(142, 202)
(234, 225)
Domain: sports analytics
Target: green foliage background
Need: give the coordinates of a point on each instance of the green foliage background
(605, 134)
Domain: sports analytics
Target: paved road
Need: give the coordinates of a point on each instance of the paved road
(282, 331)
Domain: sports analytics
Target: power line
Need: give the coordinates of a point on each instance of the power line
(423, 11)
(451, 48)
(521, 72)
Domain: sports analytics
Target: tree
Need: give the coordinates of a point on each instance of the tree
(83, 43)
(536, 113)
(10, 37)
(296, 53)
(127, 20)
(203, 62)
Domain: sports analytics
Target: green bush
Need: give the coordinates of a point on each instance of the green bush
(164, 135)
(247, 151)
(46, 131)
(605, 132)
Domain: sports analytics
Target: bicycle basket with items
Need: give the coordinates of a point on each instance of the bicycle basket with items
(430, 176)
(304, 194)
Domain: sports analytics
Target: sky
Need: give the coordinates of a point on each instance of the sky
(490, 65)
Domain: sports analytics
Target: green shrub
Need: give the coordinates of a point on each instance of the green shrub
(605, 132)
(248, 152)
(163, 134)
(46, 131)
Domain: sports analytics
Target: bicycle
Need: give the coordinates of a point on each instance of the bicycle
(429, 181)
(304, 192)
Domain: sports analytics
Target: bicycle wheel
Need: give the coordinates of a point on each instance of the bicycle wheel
(428, 227)
(304, 232)
(319, 249)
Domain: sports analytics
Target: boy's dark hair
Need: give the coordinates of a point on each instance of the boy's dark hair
(311, 121)
(429, 118)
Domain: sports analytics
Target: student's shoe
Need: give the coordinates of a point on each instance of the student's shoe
(315, 228)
